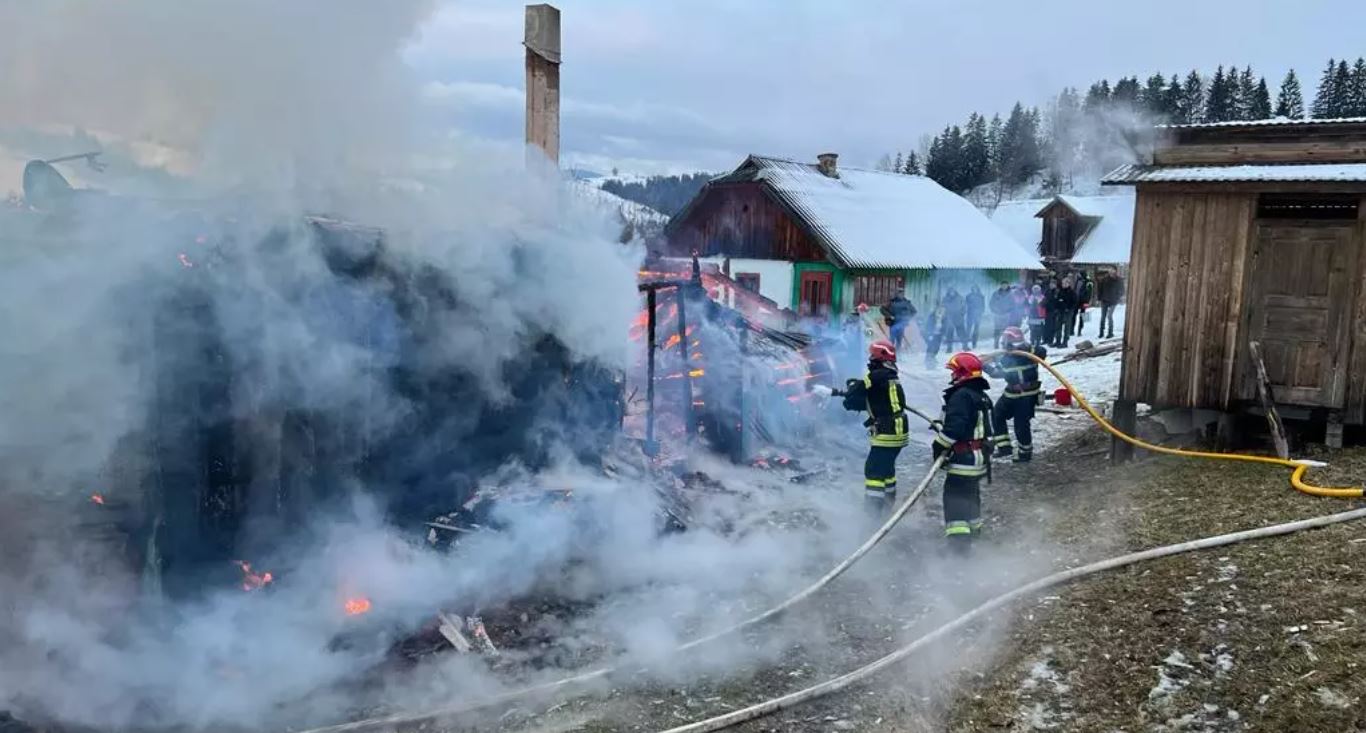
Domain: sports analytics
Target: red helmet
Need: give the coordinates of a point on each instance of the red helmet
(964, 366)
(882, 350)
(862, 308)
(1013, 335)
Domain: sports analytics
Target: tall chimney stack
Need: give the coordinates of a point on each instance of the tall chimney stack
(828, 164)
(542, 41)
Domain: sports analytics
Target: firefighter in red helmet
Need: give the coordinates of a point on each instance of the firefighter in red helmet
(1017, 402)
(965, 438)
(879, 393)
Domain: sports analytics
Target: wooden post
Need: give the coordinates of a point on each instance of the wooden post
(1264, 392)
(542, 41)
(1125, 418)
(681, 293)
(650, 372)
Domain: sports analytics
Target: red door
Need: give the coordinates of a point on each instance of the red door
(815, 299)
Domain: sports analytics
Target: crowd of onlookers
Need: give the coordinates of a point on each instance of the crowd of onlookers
(1054, 308)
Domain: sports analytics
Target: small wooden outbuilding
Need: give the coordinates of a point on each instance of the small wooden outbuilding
(1243, 232)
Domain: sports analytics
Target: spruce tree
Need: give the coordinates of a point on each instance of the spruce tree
(1325, 100)
(1342, 87)
(1020, 154)
(1355, 99)
(1193, 98)
(1218, 106)
(1064, 132)
(1126, 93)
(896, 164)
(1244, 94)
(1173, 100)
(1290, 101)
(995, 133)
(1097, 97)
(976, 153)
(1153, 98)
(1259, 107)
(912, 164)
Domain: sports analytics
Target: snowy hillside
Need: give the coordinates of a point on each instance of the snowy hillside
(641, 219)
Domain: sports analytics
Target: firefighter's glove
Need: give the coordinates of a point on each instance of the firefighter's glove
(937, 426)
(937, 449)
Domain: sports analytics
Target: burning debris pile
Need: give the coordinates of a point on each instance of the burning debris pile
(713, 371)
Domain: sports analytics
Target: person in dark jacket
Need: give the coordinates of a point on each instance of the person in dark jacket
(953, 318)
(1086, 292)
(1001, 304)
(1019, 398)
(900, 312)
(1110, 291)
(1061, 302)
(974, 305)
(964, 438)
(879, 393)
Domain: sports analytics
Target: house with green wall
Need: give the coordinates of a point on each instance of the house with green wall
(820, 239)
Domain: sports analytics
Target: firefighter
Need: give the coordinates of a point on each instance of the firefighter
(880, 394)
(1020, 396)
(965, 438)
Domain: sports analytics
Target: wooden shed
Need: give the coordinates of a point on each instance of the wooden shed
(1249, 231)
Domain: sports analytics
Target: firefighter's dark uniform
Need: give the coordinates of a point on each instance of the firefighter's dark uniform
(880, 394)
(966, 437)
(1017, 402)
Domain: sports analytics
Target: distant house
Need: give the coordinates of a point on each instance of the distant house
(822, 239)
(1080, 231)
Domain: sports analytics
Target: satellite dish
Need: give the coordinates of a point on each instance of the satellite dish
(44, 187)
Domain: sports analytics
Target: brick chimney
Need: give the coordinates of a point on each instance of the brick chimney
(827, 163)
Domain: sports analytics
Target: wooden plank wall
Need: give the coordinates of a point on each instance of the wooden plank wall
(1185, 297)
(741, 220)
(1356, 374)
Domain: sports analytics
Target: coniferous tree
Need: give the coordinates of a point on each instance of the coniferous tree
(976, 167)
(1097, 97)
(1219, 104)
(1193, 98)
(912, 164)
(995, 134)
(1173, 99)
(1326, 100)
(1354, 100)
(1290, 100)
(1020, 155)
(897, 163)
(1153, 98)
(1242, 94)
(1342, 85)
(1259, 108)
(1064, 134)
(1126, 93)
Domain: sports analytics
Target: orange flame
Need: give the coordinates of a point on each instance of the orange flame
(252, 581)
(356, 606)
(697, 373)
(97, 498)
(673, 341)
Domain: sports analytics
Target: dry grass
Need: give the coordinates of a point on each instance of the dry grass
(1269, 634)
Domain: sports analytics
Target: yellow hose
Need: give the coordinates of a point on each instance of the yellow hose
(1296, 477)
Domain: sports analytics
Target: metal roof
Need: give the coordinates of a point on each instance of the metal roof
(1273, 122)
(1318, 172)
(871, 219)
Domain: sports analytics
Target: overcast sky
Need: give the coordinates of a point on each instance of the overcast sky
(668, 85)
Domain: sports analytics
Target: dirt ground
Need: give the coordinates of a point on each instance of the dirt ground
(1260, 636)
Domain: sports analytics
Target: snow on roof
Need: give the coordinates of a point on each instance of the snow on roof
(1020, 220)
(872, 219)
(1266, 123)
(1109, 240)
(1328, 172)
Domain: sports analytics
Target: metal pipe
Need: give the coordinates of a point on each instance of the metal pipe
(682, 295)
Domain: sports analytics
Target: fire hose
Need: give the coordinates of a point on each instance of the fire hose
(602, 672)
(769, 707)
(1296, 477)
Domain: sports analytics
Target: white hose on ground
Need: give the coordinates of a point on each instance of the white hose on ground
(596, 674)
(769, 707)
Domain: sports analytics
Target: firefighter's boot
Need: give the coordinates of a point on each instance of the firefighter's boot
(1024, 455)
(959, 535)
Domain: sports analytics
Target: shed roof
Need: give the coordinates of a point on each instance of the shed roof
(1318, 172)
(1110, 238)
(1272, 122)
(1105, 242)
(871, 219)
